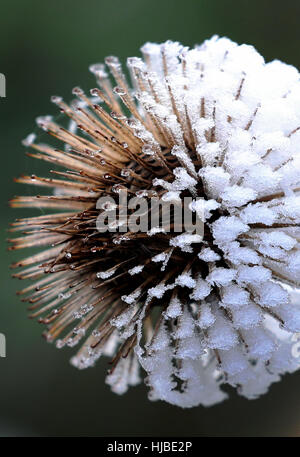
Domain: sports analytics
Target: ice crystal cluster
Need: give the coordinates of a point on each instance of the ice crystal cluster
(190, 313)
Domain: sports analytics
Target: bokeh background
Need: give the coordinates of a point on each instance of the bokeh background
(45, 49)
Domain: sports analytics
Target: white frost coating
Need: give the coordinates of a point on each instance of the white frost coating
(247, 317)
(182, 181)
(123, 319)
(221, 276)
(174, 309)
(278, 239)
(237, 195)
(155, 230)
(171, 196)
(249, 108)
(184, 241)
(233, 361)
(204, 208)
(231, 123)
(228, 229)
(206, 317)
(260, 343)
(216, 179)
(202, 289)
(158, 291)
(271, 294)
(208, 255)
(234, 296)
(185, 160)
(253, 275)
(161, 257)
(237, 254)
(258, 213)
(185, 280)
(131, 298)
(29, 139)
(125, 374)
(106, 274)
(221, 334)
(136, 270)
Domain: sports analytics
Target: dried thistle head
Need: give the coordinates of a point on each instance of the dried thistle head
(215, 123)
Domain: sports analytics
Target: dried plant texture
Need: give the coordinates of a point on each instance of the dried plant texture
(213, 122)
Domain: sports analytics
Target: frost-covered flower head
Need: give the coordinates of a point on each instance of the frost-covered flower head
(214, 122)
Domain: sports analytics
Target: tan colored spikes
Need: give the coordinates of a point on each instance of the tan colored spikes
(104, 152)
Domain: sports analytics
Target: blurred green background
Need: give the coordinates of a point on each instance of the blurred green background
(45, 49)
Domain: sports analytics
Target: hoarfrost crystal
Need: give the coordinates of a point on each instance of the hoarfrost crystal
(215, 122)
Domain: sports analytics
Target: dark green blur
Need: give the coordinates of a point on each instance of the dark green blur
(45, 49)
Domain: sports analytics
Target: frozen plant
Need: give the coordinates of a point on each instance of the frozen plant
(195, 313)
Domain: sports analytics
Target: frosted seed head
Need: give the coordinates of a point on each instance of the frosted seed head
(219, 125)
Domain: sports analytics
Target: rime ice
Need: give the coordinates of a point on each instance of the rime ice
(215, 122)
